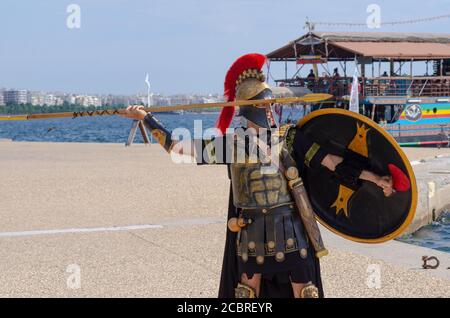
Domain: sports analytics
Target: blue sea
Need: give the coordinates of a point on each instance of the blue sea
(435, 236)
(116, 129)
(93, 129)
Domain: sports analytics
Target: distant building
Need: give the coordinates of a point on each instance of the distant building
(116, 100)
(86, 100)
(50, 100)
(2, 97)
(15, 97)
(36, 98)
(160, 100)
(39, 98)
(70, 99)
(59, 101)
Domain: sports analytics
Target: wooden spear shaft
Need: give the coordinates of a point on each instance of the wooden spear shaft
(306, 99)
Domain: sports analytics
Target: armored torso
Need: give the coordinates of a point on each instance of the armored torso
(254, 187)
(262, 197)
(256, 184)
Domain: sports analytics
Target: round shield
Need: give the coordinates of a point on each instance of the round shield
(363, 213)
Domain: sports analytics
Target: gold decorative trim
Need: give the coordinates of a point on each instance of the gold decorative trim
(279, 256)
(291, 173)
(309, 291)
(303, 253)
(359, 142)
(244, 291)
(250, 88)
(311, 153)
(341, 203)
(322, 253)
(259, 259)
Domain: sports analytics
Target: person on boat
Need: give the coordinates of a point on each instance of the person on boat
(311, 80)
(324, 83)
(336, 84)
(336, 74)
(269, 255)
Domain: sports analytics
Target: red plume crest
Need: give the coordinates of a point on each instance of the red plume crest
(245, 62)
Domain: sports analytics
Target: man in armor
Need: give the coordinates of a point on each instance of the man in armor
(269, 250)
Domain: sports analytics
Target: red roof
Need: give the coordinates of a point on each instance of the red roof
(345, 45)
(397, 50)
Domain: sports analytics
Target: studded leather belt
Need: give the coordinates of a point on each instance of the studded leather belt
(287, 207)
(271, 232)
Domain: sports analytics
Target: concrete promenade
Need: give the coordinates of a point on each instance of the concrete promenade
(134, 224)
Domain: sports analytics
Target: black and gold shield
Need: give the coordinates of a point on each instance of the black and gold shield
(363, 214)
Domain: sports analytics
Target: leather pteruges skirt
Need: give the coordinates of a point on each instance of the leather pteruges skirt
(275, 245)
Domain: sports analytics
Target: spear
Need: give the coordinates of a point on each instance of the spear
(305, 99)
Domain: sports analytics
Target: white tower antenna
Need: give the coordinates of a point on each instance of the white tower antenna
(148, 90)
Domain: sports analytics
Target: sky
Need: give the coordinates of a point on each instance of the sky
(186, 46)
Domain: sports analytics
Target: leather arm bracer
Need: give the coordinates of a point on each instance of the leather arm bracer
(161, 134)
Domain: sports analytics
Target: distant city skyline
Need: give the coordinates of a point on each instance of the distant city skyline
(186, 46)
(41, 98)
(137, 92)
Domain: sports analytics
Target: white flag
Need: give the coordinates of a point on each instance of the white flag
(354, 94)
(146, 80)
(148, 90)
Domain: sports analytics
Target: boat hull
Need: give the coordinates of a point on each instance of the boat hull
(422, 124)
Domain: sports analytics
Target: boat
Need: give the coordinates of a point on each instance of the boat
(404, 78)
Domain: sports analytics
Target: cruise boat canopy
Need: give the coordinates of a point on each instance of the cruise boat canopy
(345, 46)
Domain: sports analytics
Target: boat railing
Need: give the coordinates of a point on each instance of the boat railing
(337, 86)
(407, 86)
(410, 86)
(421, 86)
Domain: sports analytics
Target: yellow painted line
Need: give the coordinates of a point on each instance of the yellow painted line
(13, 117)
(430, 112)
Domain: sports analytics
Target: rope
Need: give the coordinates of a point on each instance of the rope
(391, 23)
(95, 113)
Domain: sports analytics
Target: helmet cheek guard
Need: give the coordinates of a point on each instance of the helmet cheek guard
(260, 116)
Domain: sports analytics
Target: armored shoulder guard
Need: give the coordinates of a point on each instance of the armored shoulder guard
(289, 136)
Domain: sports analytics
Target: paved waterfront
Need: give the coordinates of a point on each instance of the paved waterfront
(136, 224)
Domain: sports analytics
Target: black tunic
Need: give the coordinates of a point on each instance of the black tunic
(276, 277)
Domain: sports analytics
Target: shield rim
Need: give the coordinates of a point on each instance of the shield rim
(393, 142)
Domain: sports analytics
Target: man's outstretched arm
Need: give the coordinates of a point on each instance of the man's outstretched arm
(332, 162)
(314, 156)
(161, 134)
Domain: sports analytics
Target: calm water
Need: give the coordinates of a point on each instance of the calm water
(436, 235)
(115, 129)
(91, 129)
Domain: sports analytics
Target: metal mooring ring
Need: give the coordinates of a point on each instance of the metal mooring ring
(426, 259)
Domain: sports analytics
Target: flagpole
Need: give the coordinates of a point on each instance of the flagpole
(148, 90)
(354, 93)
(143, 131)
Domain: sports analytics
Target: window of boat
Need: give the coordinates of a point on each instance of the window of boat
(384, 114)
